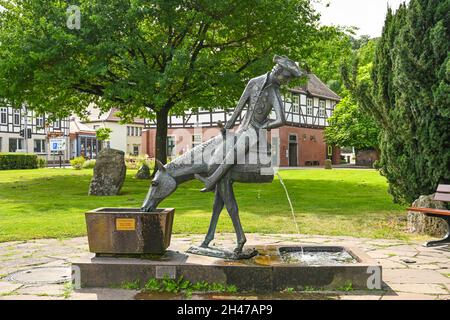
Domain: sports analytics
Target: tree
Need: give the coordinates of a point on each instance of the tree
(147, 58)
(327, 51)
(103, 134)
(351, 125)
(348, 126)
(410, 97)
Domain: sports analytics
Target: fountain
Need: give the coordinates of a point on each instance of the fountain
(130, 244)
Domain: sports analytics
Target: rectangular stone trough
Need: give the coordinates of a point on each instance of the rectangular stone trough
(121, 231)
(267, 272)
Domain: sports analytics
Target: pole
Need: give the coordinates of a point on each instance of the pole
(25, 131)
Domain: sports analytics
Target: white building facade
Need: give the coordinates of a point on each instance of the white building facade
(23, 130)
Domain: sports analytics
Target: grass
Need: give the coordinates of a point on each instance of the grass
(50, 203)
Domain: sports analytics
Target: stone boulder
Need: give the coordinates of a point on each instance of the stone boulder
(420, 223)
(143, 172)
(109, 173)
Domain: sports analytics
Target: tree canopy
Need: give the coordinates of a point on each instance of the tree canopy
(408, 96)
(350, 124)
(146, 58)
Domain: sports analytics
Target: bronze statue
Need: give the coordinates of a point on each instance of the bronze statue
(227, 164)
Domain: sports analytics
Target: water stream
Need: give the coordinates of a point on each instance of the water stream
(290, 204)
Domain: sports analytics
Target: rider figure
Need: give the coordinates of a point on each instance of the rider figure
(262, 94)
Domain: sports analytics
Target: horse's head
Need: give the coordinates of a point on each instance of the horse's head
(163, 184)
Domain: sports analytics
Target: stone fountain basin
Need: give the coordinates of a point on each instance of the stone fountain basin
(121, 231)
(267, 272)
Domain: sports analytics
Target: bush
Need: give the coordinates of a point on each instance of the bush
(18, 161)
(42, 162)
(89, 164)
(135, 162)
(328, 164)
(77, 163)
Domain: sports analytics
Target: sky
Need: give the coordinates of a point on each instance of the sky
(367, 15)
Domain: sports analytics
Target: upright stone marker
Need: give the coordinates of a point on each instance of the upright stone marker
(109, 173)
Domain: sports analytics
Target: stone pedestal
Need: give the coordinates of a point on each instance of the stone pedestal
(266, 272)
(122, 231)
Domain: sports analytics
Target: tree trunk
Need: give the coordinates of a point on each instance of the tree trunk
(161, 137)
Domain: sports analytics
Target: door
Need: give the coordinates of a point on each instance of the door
(275, 151)
(292, 150)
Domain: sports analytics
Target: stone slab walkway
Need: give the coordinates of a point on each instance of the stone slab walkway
(40, 269)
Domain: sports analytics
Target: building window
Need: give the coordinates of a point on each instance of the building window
(309, 106)
(139, 132)
(295, 104)
(15, 144)
(40, 121)
(16, 117)
(39, 146)
(321, 108)
(1, 144)
(170, 146)
(57, 124)
(128, 131)
(3, 115)
(135, 149)
(196, 140)
(96, 127)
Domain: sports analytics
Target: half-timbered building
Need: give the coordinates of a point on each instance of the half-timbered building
(23, 130)
(299, 143)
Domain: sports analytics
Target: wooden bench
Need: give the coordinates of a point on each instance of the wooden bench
(442, 194)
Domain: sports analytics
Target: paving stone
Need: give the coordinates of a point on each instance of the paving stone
(29, 297)
(7, 287)
(413, 276)
(408, 296)
(424, 266)
(425, 288)
(103, 294)
(360, 297)
(50, 290)
(386, 263)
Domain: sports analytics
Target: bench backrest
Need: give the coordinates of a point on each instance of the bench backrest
(443, 193)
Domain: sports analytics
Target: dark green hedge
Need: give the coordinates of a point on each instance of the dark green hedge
(18, 161)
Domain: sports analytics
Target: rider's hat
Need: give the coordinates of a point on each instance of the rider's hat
(288, 64)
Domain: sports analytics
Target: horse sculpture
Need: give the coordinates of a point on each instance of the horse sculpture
(222, 160)
(195, 161)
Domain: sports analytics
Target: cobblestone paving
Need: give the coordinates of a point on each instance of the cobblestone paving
(410, 271)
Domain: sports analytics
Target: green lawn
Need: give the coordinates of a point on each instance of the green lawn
(45, 203)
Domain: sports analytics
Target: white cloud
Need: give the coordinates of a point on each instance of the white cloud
(367, 15)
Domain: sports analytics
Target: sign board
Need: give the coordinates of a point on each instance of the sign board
(57, 144)
(123, 224)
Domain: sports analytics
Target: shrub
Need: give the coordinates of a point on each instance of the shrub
(135, 162)
(77, 163)
(42, 162)
(327, 164)
(89, 164)
(18, 161)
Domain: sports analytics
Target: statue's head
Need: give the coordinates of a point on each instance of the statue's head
(163, 184)
(285, 69)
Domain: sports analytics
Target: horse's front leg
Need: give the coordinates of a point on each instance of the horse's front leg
(226, 188)
(217, 209)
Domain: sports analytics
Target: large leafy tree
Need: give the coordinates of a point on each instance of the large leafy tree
(350, 124)
(147, 58)
(410, 97)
